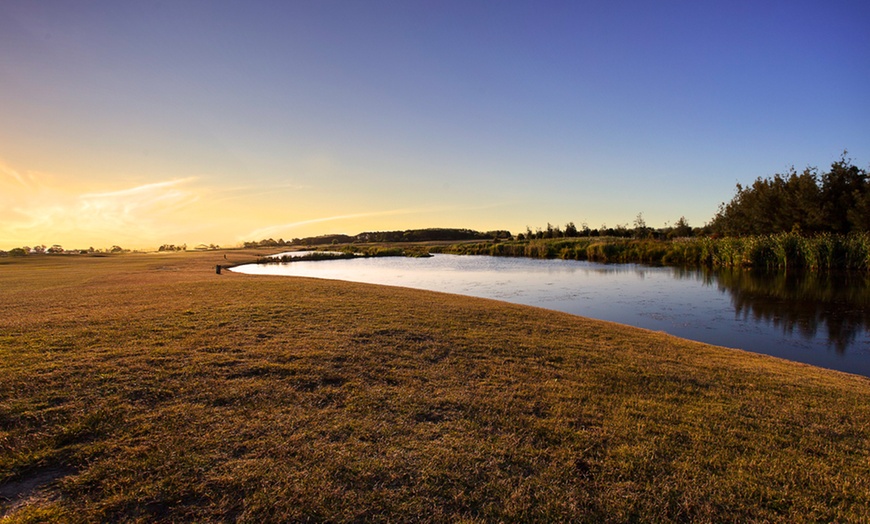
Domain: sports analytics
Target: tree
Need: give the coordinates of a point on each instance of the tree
(859, 215)
(680, 229)
(836, 202)
(844, 187)
(549, 232)
(570, 230)
(640, 228)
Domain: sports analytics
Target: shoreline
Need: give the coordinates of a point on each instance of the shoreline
(720, 323)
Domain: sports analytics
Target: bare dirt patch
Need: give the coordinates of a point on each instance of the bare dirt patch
(33, 487)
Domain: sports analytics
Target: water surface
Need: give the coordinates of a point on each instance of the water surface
(819, 320)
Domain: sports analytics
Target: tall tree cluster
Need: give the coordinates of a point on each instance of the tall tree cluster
(808, 202)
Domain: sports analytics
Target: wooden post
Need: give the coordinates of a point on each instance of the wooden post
(217, 269)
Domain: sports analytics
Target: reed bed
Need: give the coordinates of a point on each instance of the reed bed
(773, 252)
(347, 252)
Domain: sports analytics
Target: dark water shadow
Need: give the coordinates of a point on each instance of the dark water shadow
(806, 304)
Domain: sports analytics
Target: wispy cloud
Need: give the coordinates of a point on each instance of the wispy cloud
(49, 214)
(239, 192)
(136, 204)
(8, 173)
(143, 190)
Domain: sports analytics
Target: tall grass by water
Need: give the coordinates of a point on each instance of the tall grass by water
(348, 251)
(780, 251)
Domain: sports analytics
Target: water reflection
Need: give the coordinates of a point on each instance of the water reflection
(802, 302)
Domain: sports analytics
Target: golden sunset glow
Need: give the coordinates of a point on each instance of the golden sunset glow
(218, 123)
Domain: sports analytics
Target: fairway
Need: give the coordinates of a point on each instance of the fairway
(147, 388)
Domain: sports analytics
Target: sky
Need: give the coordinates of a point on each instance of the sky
(142, 123)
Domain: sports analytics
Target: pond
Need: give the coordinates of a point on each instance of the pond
(823, 320)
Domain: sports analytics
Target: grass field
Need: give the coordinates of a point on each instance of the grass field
(146, 388)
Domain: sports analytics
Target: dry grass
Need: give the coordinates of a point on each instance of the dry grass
(146, 388)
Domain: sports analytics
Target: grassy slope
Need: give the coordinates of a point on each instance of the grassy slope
(157, 390)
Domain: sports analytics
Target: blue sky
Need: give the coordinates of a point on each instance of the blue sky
(143, 123)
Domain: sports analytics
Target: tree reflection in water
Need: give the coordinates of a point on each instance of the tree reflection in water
(801, 301)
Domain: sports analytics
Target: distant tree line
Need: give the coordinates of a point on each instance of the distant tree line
(57, 249)
(431, 235)
(408, 235)
(808, 203)
(681, 229)
(172, 247)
